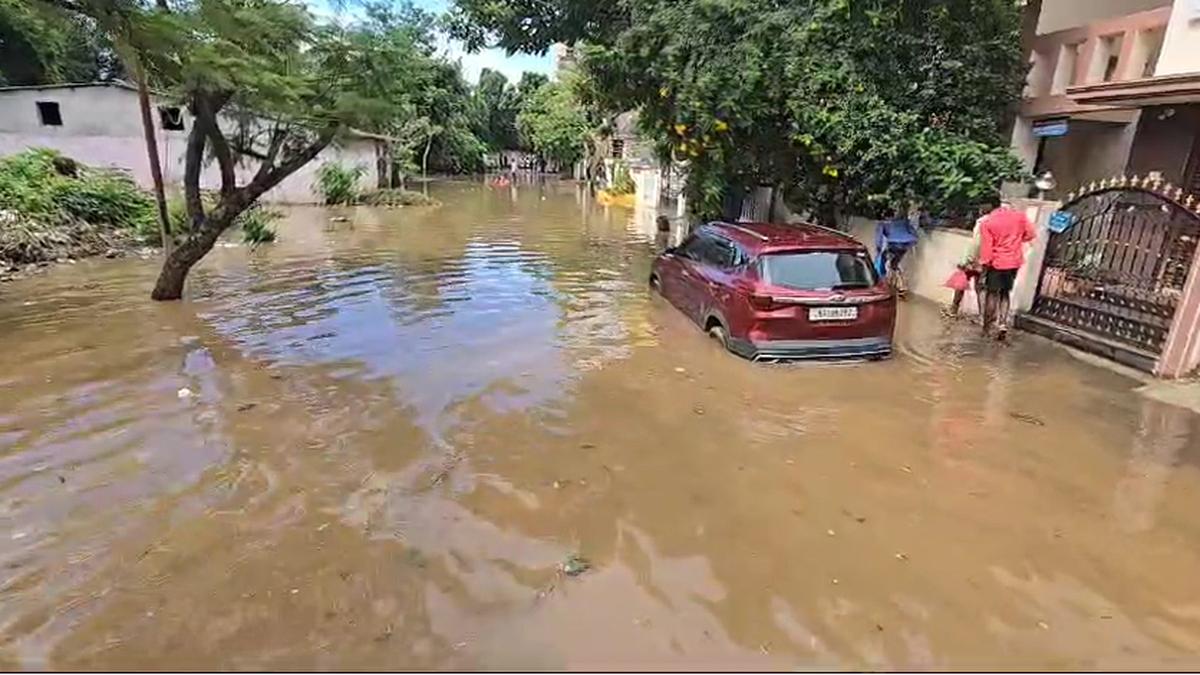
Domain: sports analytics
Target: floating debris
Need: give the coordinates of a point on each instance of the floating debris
(246, 406)
(184, 392)
(575, 565)
(1027, 419)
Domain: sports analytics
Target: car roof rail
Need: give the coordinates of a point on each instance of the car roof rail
(745, 230)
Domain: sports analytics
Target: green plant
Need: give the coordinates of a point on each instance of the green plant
(256, 224)
(396, 197)
(338, 184)
(53, 206)
(622, 182)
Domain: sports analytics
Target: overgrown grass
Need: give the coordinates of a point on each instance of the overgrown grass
(52, 206)
(338, 184)
(396, 197)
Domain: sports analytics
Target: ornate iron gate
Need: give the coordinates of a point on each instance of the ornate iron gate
(1119, 269)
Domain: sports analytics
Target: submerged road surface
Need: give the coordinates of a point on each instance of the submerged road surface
(379, 444)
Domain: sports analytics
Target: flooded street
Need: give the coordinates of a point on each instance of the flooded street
(396, 429)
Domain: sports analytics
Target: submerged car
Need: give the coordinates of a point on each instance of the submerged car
(770, 292)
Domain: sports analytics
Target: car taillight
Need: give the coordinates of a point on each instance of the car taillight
(763, 303)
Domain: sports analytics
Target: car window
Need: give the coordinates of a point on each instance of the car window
(818, 270)
(715, 252)
(691, 247)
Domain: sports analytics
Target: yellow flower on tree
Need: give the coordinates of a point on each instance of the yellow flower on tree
(830, 171)
(680, 129)
(721, 125)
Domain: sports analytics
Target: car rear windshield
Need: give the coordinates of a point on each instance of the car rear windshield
(818, 270)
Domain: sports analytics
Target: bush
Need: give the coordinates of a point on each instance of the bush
(397, 198)
(256, 223)
(54, 207)
(338, 184)
(622, 182)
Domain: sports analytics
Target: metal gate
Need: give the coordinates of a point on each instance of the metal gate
(1118, 270)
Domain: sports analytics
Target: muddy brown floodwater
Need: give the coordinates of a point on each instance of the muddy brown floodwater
(396, 429)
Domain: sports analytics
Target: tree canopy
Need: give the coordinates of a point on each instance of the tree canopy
(553, 123)
(846, 104)
(42, 44)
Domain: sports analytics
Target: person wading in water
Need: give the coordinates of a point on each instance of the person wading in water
(1002, 237)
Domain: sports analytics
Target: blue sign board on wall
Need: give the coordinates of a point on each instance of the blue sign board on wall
(1061, 221)
(1051, 128)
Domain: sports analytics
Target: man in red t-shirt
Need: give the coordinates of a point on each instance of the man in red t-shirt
(1002, 237)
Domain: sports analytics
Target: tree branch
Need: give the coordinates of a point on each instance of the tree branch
(278, 136)
(291, 164)
(206, 118)
(192, 162)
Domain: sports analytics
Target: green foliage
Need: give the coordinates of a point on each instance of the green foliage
(622, 182)
(496, 104)
(848, 105)
(40, 44)
(43, 186)
(553, 123)
(256, 224)
(53, 206)
(393, 197)
(338, 184)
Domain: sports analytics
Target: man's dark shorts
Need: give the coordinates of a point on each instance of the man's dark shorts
(999, 281)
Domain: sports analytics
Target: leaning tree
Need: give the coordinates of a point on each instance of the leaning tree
(268, 88)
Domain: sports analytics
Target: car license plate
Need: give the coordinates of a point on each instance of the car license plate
(833, 314)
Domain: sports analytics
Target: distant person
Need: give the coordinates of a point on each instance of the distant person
(894, 237)
(1002, 237)
(662, 233)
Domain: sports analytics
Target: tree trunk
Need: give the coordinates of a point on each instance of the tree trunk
(383, 168)
(180, 261)
(425, 158)
(164, 220)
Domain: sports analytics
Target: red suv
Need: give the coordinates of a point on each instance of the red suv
(771, 292)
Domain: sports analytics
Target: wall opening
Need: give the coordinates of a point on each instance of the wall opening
(49, 114)
(170, 117)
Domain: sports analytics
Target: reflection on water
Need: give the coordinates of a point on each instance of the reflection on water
(395, 428)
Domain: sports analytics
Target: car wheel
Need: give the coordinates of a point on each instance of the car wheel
(717, 332)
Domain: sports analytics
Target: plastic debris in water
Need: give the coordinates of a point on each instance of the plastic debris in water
(184, 392)
(575, 565)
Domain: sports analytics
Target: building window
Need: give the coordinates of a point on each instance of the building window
(49, 114)
(170, 117)
(618, 148)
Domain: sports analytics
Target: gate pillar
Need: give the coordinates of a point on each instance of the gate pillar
(1025, 288)
(1181, 353)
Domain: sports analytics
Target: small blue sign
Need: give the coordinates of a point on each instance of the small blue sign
(1051, 128)
(1061, 221)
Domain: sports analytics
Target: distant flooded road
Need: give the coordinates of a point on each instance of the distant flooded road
(375, 444)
